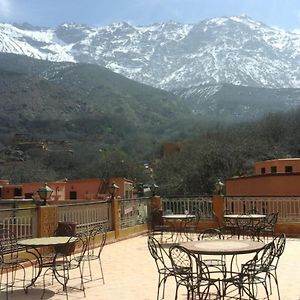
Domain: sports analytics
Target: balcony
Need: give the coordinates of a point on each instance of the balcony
(130, 273)
(129, 270)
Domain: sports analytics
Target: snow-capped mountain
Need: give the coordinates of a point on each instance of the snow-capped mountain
(236, 50)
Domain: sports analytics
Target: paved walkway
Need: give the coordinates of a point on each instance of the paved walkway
(130, 274)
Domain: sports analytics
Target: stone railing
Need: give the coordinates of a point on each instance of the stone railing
(86, 215)
(181, 205)
(288, 207)
(123, 217)
(21, 221)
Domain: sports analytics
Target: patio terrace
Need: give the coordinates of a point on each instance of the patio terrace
(130, 273)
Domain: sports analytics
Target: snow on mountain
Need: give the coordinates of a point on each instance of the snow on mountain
(235, 50)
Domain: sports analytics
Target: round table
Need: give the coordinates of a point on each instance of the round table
(245, 216)
(223, 247)
(33, 245)
(47, 241)
(178, 228)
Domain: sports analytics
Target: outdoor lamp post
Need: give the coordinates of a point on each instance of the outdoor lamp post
(112, 190)
(153, 188)
(45, 193)
(219, 187)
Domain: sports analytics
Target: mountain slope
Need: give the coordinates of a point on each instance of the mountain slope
(67, 100)
(235, 50)
(237, 103)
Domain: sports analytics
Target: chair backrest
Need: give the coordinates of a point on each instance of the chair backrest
(159, 254)
(96, 240)
(260, 263)
(271, 219)
(182, 262)
(77, 248)
(65, 229)
(279, 243)
(8, 244)
(211, 234)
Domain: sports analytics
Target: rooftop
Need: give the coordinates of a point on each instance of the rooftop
(130, 273)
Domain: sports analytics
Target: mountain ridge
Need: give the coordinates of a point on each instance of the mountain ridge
(236, 50)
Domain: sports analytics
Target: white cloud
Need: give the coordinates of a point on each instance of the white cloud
(5, 8)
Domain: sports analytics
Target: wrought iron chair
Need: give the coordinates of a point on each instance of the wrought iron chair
(188, 228)
(216, 263)
(63, 229)
(64, 262)
(253, 273)
(266, 228)
(192, 273)
(229, 227)
(162, 261)
(10, 261)
(96, 241)
(279, 243)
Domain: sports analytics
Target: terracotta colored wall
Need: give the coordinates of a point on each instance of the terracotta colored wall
(280, 164)
(124, 185)
(8, 191)
(273, 185)
(85, 188)
(57, 187)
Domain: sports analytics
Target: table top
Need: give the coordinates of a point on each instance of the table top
(245, 216)
(47, 241)
(179, 216)
(223, 247)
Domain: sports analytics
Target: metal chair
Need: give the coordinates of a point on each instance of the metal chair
(266, 228)
(162, 261)
(96, 241)
(279, 243)
(216, 263)
(253, 273)
(10, 261)
(192, 273)
(66, 261)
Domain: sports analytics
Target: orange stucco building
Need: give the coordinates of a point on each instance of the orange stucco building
(75, 189)
(278, 177)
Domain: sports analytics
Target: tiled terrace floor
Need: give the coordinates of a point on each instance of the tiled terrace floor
(130, 274)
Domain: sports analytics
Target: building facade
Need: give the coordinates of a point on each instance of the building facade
(278, 177)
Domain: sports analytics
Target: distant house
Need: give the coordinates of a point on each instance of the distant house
(75, 189)
(277, 177)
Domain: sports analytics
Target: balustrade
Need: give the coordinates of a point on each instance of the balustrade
(288, 207)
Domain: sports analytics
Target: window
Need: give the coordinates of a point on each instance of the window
(288, 169)
(73, 195)
(17, 192)
(263, 170)
(273, 169)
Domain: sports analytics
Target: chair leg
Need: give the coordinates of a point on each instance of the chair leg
(101, 269)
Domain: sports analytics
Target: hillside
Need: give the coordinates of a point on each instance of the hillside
(88, 118)
(61, 99)
(237, 103)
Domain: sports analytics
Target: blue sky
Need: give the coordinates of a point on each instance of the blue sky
(281, 13)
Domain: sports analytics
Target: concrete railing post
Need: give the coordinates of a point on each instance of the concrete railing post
(218, 207)
(47, 220)
(116, 216)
